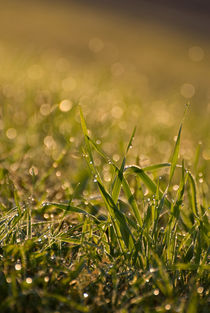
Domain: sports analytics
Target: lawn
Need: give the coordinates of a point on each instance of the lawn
(104, 171)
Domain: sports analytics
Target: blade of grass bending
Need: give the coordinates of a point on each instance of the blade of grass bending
(131, 140)
(155, 167)
(70, 208)
(129, 196)
(146, 180)
(119, 217)
(175, 156)
(98, 149)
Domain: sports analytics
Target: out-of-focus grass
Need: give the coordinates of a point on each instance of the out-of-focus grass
(128, 230)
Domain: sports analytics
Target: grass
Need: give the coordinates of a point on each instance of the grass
(120, 239)
(96, 216)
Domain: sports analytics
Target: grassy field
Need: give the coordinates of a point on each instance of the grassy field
(104, 165)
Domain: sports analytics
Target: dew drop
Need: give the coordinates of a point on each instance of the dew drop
(156, 292)
(85, 295)
(18, 267)
(167, 307)
(46, 279)
(200, 290)
(29, 280)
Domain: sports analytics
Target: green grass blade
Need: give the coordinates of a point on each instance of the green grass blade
(146, 180)
(70, 208)
(118, 216)
(118, 181)
(131, 140)
(175, 156)
(193, 194)
(155, 167)
(85, 132)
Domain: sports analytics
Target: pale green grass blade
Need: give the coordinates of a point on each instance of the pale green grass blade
(131, 140)
(175, 156)
(155, 167)
(70, 208)
(85, 132)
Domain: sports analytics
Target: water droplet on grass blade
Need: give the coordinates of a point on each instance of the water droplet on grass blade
(200, 290)
(29, 280)
(167, 307)
(46, 279)
(18, 267)
(156, 292)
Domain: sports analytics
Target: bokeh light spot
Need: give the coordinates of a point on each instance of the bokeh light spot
(65, 105)
(187, 90)
(11, 133)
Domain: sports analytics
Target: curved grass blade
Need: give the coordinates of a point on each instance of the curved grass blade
(70, 208)
(155, 167)
(147, 181)
(129, 196)
(131, 140)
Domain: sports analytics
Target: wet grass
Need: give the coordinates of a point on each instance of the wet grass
(84, 230)
(97, 215)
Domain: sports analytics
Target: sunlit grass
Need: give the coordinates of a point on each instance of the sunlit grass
(114, 237)
(104, 197)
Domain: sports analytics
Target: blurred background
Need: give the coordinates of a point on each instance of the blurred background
(126, 62)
